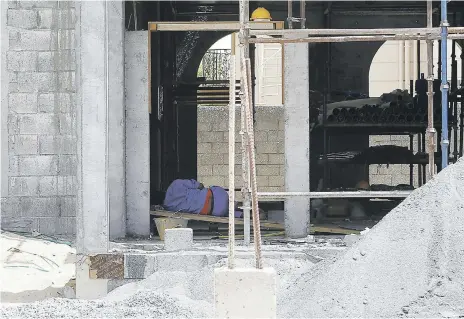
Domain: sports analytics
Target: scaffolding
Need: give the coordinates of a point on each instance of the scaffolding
(304, 36)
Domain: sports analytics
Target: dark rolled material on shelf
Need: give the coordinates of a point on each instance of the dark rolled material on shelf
(409, 118)
(336, 111)
(374, 118)
(401, 119)
(330, 118)
(341, 118)
(352, 111)
(391, 118)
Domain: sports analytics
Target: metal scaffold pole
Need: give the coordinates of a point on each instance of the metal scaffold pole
(444, 84)
(231, 256)
(431, 128)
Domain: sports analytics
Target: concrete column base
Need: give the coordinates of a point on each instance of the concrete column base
(87, 288)
(245, 293)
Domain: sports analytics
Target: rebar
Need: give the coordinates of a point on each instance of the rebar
(231, 256)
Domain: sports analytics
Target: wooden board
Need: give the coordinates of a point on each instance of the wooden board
(106, 266)
(211, 219)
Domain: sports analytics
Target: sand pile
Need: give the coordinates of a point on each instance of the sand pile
(409, 264)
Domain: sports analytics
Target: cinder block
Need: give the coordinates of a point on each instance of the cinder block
(56, 19)
(68, 206)
(22, 61)
(210, 136)
(67, 124)
(273, 136)
(267, 170)
(38, 165)
(63, 40)
(181, 262)
(278, 159)
(262, 181)
(262, 158)
(37, 4)
(220, 148)
(24, 186)
(68, 165)
(204, 148)
(67, 81)
(30, 40)
(38, 124)
(40, 207)
(10, 207)
(205, 170)
(213, 181)
(276, 181)
(24, 19)
(178, 239)
(37, 82)
(209, 159)
(12, 4)
(23, 144)
(64, 102)
(67, 185)
(267, 147)
(22, 102)
(63, 60)
(203, 126)
(48, 185)
(13, 166)
(220, 170)
(57, 144)
(245, 293)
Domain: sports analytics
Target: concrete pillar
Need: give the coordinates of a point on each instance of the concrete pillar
(245, 293)
(92, 123)
(296, 110)
(137, 134)
(116, 118)
(4, 98)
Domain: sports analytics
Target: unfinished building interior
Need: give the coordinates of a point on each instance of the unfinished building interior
(109, 102)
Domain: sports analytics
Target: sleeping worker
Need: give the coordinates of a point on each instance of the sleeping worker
(190, 196)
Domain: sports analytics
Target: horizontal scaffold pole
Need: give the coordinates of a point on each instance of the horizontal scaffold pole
(343, 194)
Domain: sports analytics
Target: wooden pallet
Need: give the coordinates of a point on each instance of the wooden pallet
(326, 228)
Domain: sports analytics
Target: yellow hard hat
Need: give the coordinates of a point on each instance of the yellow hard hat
(261, 14)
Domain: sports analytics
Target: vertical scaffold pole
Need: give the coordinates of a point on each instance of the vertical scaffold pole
(231, 256)
(431, 128)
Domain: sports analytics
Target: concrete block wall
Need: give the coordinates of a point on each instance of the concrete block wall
(213, 148)
(40, 85)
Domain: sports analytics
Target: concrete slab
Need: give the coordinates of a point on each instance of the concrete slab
(178, 239)
(245, 293)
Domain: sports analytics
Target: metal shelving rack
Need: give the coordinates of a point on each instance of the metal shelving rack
(305, 36)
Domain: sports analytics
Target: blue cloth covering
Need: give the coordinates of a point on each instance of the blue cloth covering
(184, 195)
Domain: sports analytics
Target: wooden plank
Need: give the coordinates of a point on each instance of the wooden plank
(106, 266)
(211, 219)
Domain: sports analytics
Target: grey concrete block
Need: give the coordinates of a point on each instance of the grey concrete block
(38, 165)
(267, 170)
(67, 123)
(22, 61)
(68, 206)
(37, 82)
(24, 19)
(276, 159)
(22, 102)
(24, 186)
(139, 266)
(178, 239)
(57, 144)
(67, 81)
(13, 166)
(56, 102)
(48, 186)
(38, 4)
(23, 144)
(63, 40)
(10, 207)
(209, 159)
(28, 40)
(40, 207)
(12, 4)
(67, 185)
(55, 225)
(56, 19)
(68, 165)
(181, 262)
(64, 60)
(204, 148)
(38, 124)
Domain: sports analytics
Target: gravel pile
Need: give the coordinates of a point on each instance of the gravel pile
(410, 264)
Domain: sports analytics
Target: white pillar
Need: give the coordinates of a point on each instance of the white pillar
(296, 110)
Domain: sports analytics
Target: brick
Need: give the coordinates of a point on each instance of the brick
(220, 148)
(276, 181)
(209, 159)
(10, 207)
(56, 19)
(40, 207)
(220, 170)
(22, 61)
(24, 19)
(68, 165)
(24, 186)
(56, 61)
(262, 181)
(204, 148)
(67, 124)
(23, 144)
(213, 181)
(67, 185)
(22, 102)
(205, 170)
(276, 159)
(210, 137)
(267, 170)
(38, 165)
(57, 144)
(68, 206)
(28, 40)
(64, 102)
(48, 186)
(37, 82)
(38, 124)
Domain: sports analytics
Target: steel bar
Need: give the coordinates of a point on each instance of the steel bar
(347, 194)
(252, 163)
(290, 14)
(343, 39)
(430, 126)
(333, 32)
(232, 103)
(303, 14)
(444, 84)
(243, 46)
